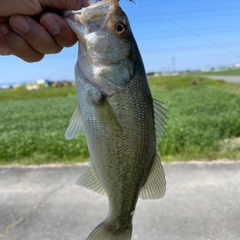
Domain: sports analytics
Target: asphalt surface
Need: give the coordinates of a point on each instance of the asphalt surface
(233, 79)
(43, 203)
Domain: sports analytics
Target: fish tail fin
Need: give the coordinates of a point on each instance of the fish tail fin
(105, 231)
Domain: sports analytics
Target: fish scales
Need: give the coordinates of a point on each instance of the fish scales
(118, 115)
(132, 144)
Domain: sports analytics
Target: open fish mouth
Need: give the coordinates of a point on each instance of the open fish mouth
(88, 19)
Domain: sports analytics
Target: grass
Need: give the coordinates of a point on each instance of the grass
(182, 81)
(23, 94)
(200, 116)
(229, 72)
(32, 131)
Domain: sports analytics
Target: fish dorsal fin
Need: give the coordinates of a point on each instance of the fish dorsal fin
(75, 127)
(159, 118)
(155, 186)
(89, 179)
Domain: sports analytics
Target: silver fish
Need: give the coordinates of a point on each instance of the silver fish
(121, 120)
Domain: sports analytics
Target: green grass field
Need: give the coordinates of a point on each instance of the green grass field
(200, 117)
(23, 94)
(229, 72)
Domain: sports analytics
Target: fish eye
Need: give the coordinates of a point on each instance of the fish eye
(120, 28)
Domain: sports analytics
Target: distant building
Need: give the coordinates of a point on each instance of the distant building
(60, 84)
(32, 86)
(237, 65)
(156, 74)
(48, 83)
(5, 87)
(41, 81)
(18, 85)
(206, 70)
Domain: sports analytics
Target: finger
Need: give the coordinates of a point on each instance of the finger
(25, 7)
(59, 29)
(66, 5)
(34, 7)
(3, 20)
(4, 29)
(19, 47)
(34, 34)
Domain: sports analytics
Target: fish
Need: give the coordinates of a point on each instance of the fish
(116, 112)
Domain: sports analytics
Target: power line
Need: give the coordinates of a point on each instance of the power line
(156, 30)
(182, 49)
(184, 17)
(173, 34)
(193, 33)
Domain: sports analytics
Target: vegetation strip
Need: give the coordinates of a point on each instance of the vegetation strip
(202, 114)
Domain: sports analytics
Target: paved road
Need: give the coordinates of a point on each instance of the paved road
(233, 79)
(43, 203)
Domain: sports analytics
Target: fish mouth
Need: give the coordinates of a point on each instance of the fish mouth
(85, 20)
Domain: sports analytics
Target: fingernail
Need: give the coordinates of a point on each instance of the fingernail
(19, 24)
(50, 24)
(4, 28)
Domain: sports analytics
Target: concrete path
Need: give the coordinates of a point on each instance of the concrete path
(43, 203)
(233, 79)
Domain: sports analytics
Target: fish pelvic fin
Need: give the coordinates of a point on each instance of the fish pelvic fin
(75, 127)
(155, 186)
(105, 231)
(89, 179)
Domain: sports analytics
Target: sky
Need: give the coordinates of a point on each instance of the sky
(172, 35)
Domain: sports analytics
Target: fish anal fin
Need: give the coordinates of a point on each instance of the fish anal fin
(75, 127)
(89, 179)
(155, 186)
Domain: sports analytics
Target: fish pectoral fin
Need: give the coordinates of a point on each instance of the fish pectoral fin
(155, 186)
(159, 118)
(75, 127)
(89, 179)
(108, 119)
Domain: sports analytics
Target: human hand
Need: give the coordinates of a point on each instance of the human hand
(30, 39)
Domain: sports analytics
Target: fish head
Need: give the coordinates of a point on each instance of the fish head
(105, 40)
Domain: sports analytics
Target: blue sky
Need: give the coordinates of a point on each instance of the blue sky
(165, 30)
